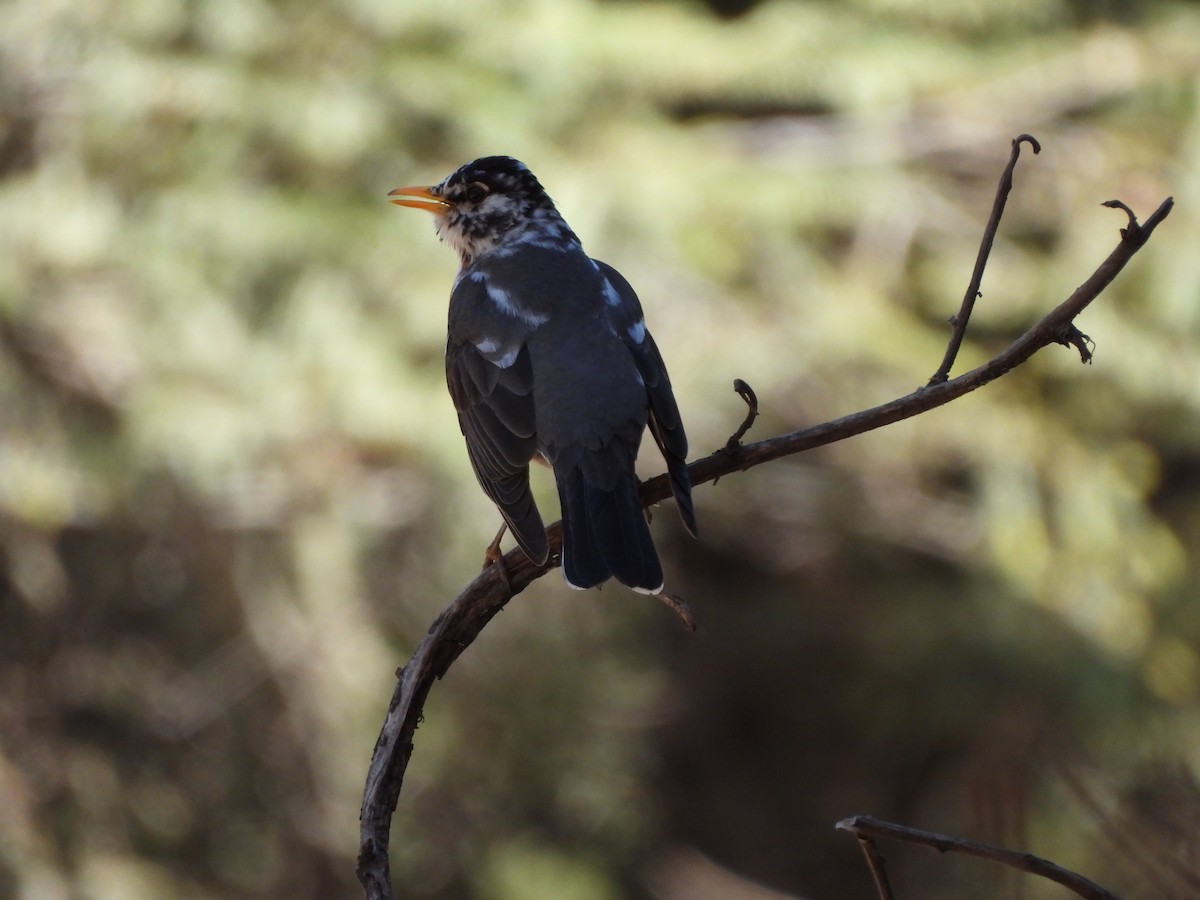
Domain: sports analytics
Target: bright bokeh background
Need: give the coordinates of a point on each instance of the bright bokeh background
(233, 494)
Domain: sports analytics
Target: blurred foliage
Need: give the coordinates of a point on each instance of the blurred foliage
(233, 494)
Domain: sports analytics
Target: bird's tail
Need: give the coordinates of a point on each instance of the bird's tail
(605, 534)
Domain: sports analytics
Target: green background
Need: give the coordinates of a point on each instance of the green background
(233, 494)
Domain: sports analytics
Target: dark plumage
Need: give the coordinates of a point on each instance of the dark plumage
(548, 353)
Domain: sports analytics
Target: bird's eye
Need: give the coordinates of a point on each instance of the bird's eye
(476, 192)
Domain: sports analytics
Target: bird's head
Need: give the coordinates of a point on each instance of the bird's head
(488, 204)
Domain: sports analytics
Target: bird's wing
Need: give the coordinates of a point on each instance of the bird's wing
(490, 377)
(665, 422)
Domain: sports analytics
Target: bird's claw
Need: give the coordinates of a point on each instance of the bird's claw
(494, 556)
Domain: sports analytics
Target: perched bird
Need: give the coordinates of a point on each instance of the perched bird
(548, 354)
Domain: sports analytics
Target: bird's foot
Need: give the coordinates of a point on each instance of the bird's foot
(494, 556)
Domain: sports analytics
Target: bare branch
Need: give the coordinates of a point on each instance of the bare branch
(1055, 328)
(461, 622)
(866, 826)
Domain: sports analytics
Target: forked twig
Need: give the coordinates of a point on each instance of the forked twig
(867, 827)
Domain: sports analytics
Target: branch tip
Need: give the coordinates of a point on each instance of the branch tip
(1164, 210)
(1029, 139)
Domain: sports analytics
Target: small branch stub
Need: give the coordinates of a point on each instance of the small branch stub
(746, 393)
(1132, 229)
(1073, 337)
(680, 607)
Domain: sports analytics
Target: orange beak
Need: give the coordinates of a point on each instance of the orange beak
(428, 200)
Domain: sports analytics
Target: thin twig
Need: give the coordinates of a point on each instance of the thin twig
(877, 865)
(1026, 862)
(465, 617)
(985, 248)
(679, 606)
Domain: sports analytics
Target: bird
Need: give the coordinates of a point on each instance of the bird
(548, 359)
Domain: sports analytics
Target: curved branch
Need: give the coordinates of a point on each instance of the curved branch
(461, 622)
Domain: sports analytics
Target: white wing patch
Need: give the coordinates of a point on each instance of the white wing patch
(505, 304)
(491, 352)
(637, 331)
(611, 297)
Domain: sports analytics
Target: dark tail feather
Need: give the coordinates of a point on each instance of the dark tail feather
(605, 534)
(520, 512)
(674, 448)
(681, 487)
(623, 536)
(583, 567)
(530, 535)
